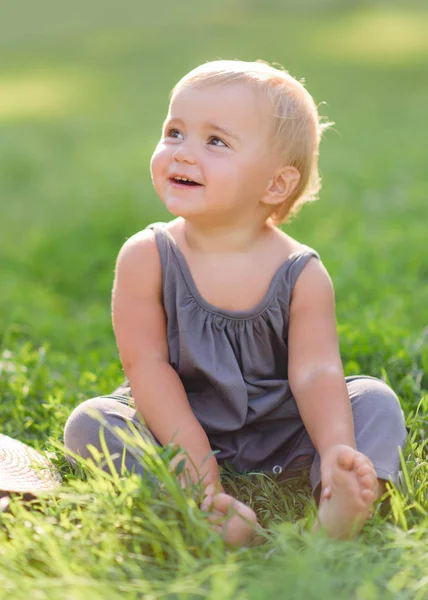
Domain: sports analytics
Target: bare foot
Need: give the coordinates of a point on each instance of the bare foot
(354, 488)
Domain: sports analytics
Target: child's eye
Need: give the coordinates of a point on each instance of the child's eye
(173, 133)
(216, 141)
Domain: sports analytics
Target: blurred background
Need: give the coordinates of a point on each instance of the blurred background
(83, 91)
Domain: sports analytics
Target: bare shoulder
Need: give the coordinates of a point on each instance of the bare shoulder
(137, 312)
(314, 283)
(285, 244)
(138, 263)
(314, 286)
(314, 275)
(142, 242)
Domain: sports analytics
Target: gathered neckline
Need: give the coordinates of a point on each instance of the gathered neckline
(223, 312)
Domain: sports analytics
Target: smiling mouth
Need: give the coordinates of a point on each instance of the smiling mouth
(184, 181)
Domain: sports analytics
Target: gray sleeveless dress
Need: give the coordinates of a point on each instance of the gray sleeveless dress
(233, 364)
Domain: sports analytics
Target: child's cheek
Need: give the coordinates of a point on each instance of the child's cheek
(158, 164)
(157, 178)
(228, 176)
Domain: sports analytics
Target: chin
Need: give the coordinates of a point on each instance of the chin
(176, 213)
(178, 208)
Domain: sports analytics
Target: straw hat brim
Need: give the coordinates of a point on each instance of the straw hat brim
(25, 470)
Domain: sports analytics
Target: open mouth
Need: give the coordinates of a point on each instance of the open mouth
(184, 181)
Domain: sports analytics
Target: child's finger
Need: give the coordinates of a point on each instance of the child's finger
(228, 505)
(207, 502)
(326, 493)
(216, 518)
(223, 502)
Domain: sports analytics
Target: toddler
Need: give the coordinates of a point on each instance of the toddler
(225, 324)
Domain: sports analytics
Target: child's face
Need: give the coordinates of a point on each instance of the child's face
(219, 138)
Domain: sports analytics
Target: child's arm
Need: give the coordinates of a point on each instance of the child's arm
(315, 369)
(139, 324)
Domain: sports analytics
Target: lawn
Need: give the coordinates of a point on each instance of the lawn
(83, 91)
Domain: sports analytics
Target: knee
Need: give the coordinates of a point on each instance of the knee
(82, 428)
(377, 399)
(388, 401)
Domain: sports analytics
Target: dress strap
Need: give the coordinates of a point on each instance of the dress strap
(296, 262)
(161, 241)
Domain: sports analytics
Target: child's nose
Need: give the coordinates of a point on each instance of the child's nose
(183, 153)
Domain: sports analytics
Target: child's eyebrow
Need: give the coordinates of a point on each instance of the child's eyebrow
(223, 130)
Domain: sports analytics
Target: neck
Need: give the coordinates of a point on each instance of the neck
(223, 238)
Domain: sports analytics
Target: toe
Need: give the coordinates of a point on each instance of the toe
(375, 485)
(368, 496)
(363, 470)
(366, 481)
(360, 460)
(346, 458)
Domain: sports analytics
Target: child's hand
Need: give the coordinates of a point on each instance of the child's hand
(234, 520)
(190, 474)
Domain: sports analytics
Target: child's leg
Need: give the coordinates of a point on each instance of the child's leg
(379, 431)
(82, 429)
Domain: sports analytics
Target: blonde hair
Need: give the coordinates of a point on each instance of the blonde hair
(296, 125)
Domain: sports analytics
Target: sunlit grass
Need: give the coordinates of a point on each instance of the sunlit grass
(100, 533)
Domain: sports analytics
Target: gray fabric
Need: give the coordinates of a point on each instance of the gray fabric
(233, 366)
(118, 412)
(378, 422)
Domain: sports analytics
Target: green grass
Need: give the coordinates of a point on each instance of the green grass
(83, 90)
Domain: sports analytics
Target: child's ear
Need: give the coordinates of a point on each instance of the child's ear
(282, 185)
